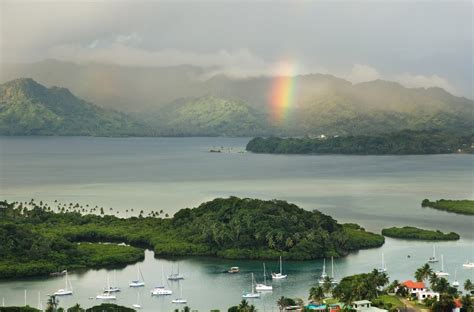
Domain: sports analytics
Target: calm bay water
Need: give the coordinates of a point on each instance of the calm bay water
(173, 173)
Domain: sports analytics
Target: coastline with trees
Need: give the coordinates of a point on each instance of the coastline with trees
(414, 233)
(40, 239)
(465, 207)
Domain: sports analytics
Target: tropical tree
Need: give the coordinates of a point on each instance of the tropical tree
(284, 302)
(327, 284)
(75, 308)
(423, 273)
(316, 293)
(468, 285)
(467, 304)
(52, 304)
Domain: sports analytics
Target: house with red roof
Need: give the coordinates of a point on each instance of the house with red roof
(414, 287)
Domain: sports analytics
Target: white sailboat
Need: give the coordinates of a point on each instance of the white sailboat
(323, 274)
(252, 293)
(175, 276)
(179, 300)
(106, 295)
(138, 282)
(137, 305)
(66, 291)
(382, 268)
(442, 273)
(161, 290)
(433, 258)
(112, 289)
(264, 286)
(468, 265)
(279, 275)
(456, 282)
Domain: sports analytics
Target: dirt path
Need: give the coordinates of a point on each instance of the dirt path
(410, 307)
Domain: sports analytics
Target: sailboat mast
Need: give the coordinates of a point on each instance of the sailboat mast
(162, 275)
(442, 263)
(434, 252)
(264, 275)
(252, 283)
(332, 267)
(281, 270)
(40, 306)
(324, 266)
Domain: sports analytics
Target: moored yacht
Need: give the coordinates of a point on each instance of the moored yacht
(65, 291)
(279, 275)
(441, 272)
(264, 286)
(252, 293)
(138, 282)
(161, 290)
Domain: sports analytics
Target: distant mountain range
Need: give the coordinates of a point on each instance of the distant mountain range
(28, 108)
(188, 101)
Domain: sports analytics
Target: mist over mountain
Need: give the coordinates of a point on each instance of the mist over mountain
(29, 108)
(189, 100)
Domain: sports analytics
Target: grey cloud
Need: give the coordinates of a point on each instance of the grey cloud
(431, 40)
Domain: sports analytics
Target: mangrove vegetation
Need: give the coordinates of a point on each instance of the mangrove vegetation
(465, 206)
(396, 143)
(40, 239)
(410, 232)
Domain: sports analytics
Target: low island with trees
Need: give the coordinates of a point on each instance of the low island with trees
(410, 232)
(404, 142)
(465, 206)
(41, 239)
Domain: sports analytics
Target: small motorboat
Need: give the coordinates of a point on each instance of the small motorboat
(233, 270)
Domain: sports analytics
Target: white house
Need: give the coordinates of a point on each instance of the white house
(414, 287)
(422, 295)
(365, 306)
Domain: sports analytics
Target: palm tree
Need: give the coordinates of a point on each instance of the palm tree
(76, 308)
(52, 304)
(423, 273)
(281, 303)
(327, 284)
(468, 286)
(316, 293)
(243, 305)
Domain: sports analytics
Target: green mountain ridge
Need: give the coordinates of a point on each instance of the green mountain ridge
(189, 101)
(28, 108)
(209, 116)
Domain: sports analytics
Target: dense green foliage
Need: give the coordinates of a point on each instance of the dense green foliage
(28, 108)
(457, 206)
(208, 116)
(250, 228)
(18, 309)
(399, 143)
(323, 103)
(360, 287)
(409, 232)
(109, 307)
(42, 240)
(27, 250)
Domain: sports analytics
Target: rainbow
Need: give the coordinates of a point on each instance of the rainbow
(282, 92)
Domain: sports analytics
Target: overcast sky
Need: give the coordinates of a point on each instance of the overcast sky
(418, 43)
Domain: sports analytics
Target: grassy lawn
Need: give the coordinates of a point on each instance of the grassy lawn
(388, 301)
(331, 301)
